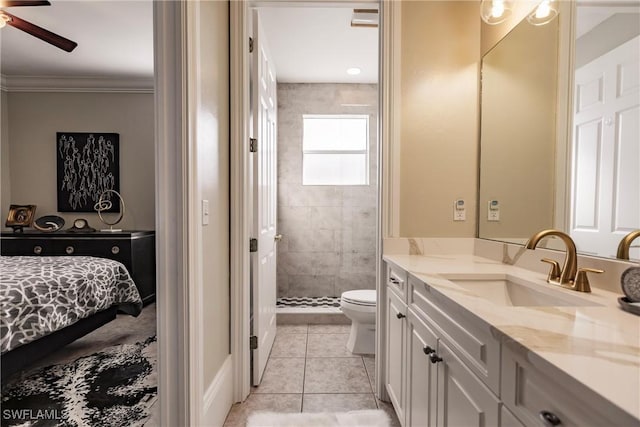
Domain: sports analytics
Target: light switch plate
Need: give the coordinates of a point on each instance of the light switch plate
(205, 212)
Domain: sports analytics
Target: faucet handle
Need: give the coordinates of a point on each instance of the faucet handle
(555, 272)
(582, 281)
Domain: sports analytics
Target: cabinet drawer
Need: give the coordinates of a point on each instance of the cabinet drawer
(397, 280)
(27, 247)
(531, 394)
(471, 340)
(115, 249)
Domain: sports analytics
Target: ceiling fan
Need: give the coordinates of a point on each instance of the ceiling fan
(8, 19)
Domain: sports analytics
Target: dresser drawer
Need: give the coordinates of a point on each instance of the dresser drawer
(397, 281)
(471, 340)
(115, 249)
(27, 247)
(533, 396)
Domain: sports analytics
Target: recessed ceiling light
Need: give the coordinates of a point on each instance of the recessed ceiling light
(353, 71)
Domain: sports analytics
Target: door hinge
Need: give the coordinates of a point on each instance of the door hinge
(253, 145)
(250, 44)
(253, 342)
(253, 245)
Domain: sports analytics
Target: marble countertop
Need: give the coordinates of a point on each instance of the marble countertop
(599, 346)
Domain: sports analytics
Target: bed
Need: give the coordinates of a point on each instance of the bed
(47, 302)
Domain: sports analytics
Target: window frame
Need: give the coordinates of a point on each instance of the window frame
(366, 153)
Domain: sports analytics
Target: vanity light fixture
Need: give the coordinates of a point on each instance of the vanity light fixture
(354, 71)
(494, 12)
(544, 13)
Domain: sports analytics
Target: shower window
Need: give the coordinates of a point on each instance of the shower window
(335, 150)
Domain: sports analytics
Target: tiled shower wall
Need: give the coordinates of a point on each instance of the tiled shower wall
(329, 232)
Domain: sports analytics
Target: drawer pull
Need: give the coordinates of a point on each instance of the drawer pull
(549, 418)
(400, 315)
(428, 350)
(435, 358)
(115, 250)
(37, 250)
(69, 250)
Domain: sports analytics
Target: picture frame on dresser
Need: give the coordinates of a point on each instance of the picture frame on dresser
(134, 249)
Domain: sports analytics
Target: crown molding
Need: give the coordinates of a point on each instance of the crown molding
(75, 84)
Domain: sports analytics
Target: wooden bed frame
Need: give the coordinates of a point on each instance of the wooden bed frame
(23, 356)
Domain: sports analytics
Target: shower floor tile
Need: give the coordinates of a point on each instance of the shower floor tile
(308, 302)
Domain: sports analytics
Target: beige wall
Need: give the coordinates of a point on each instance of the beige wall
(438, 116)
(32, 121)
(518, 131)
(212, 147)
(5, 185)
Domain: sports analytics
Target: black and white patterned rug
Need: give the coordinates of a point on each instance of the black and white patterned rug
(305, 302)
(114, 387)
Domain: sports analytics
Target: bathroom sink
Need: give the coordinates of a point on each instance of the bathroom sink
(514, 291)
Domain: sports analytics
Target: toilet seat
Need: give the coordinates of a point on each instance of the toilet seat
(363, 297)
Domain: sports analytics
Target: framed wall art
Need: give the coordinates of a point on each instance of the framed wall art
(20, 216)
(88, 164)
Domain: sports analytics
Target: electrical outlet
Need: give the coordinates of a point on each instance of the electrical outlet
(493, 210)
(459, 211)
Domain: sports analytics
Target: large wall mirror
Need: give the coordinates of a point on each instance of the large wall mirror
(560, 137)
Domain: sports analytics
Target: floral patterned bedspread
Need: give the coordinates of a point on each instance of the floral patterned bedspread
(40, 295)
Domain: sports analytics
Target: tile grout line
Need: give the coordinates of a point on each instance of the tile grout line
(304, 372)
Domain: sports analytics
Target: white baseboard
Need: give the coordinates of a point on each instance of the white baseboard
(218, 398)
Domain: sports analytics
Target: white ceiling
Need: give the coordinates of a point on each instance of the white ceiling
(317, 45)
(115, 40)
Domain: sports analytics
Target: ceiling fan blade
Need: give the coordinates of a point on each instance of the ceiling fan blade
(41, 33)
(13, 3)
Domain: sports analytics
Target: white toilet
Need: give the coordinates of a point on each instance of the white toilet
(360, 307)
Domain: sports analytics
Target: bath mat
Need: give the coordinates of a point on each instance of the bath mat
(114, 387)
(368, 418)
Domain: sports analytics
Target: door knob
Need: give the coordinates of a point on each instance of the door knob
(277, 237)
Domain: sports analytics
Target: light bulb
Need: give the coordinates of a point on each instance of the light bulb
(544, 13)
(543, 10)
(353, 71)
(497, 8)
(495, 11)
(3, 20)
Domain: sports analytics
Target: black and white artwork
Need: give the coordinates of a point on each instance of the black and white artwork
(88, 164)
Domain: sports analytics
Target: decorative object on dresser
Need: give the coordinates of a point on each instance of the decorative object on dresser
(20, 216)
(48, 223)
(80, 225)
(134, 249)
(104, 204)
(87, 164)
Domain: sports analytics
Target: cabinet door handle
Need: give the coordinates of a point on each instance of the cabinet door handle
(37, 250)
(428, 350)
(69, 250)
(400, 315)
(394, 280)
(115, 250)
(549, 418)
(435, 358)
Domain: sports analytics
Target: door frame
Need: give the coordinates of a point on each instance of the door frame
(241, 206)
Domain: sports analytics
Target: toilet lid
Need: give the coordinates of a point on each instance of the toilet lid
(361, 297)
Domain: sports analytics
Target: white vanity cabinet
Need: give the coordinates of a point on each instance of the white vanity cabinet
(540, 399)
(396, 311)
(427, 382)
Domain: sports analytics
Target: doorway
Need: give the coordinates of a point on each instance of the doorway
(325, 238)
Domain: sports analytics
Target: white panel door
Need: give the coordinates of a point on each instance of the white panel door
(263, 262)
(605, 188)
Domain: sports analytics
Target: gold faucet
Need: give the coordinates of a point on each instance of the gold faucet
(570, 276)
(625, 244)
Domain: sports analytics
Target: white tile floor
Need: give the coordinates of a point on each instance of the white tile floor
(310, 370)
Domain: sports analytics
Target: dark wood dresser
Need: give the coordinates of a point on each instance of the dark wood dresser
(135, 249)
